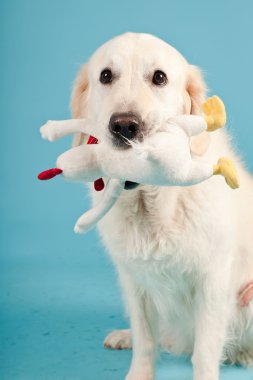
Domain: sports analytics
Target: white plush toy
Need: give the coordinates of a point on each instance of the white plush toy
(163, 159)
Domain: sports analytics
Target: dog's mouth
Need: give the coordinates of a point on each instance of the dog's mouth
(121, 142)
(129, 185)
(99, 184)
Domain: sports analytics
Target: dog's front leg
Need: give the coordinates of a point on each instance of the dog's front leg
(211, 318)
(144, 328)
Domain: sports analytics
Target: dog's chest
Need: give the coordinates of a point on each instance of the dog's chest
(153, 226)
(157, 236)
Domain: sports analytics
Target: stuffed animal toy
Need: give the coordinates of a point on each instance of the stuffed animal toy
(163, 159)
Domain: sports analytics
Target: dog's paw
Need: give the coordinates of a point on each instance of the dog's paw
(143, 372)
(118, 340)
(49, 131)
(243, 358)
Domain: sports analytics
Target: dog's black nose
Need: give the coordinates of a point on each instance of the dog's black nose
(124, 126)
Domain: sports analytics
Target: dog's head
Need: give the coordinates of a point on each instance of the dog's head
(131, 84)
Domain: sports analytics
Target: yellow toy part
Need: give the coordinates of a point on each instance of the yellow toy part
(215, 113)
(226, 168)
(215, 116)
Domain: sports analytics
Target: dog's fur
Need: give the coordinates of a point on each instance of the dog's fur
(181, 253)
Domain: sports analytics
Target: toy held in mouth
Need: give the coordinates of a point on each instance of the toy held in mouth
(163, 159)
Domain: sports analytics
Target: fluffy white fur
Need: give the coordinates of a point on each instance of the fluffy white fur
(181, 253)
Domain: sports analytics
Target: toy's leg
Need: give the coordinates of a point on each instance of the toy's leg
(226, 168)
(56, 129)
(198, 172)
(89, 219)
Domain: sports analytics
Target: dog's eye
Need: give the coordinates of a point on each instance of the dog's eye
(159, 78)
(106, 76)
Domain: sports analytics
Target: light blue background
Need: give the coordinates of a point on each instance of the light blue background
(59, 293)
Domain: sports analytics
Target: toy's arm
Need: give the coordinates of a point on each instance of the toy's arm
(214, 118)
(191, 124)
(56, 129)
(91, 217)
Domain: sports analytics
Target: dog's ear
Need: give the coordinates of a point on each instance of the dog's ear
(195, 96)
(79, 100)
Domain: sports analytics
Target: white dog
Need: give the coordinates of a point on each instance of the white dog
(184, 255)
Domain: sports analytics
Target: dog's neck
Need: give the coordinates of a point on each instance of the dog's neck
(162, 206)
(151, 221)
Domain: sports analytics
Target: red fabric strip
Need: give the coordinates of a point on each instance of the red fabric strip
(48, 174)
(99, 183)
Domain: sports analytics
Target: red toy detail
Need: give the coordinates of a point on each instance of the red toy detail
(51, 173)
(99, 183)
(48, 174)
(92, 140)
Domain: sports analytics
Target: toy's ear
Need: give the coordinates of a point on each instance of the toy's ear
(79, 100)
(195, 96)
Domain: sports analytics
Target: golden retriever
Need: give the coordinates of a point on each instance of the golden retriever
(183, 254)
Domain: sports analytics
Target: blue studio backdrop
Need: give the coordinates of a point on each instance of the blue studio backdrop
(59, 294)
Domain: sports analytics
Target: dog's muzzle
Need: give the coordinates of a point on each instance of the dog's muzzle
(125, 127)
